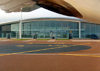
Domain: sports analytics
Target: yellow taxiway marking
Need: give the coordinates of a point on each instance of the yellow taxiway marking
(50, 45)
(61, 46)
(89, 55)
(20, 45)
(79, 55)
(30, 43)
(4, 54)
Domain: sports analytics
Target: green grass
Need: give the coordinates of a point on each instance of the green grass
(21, 39)
(56, 39)
(43, 39)
(62, 39)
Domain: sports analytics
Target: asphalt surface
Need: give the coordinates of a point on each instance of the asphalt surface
(49, 56)
(40, 48)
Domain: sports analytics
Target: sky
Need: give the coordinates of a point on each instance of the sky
(38, 13)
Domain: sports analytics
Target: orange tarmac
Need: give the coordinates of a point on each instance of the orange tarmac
(56, 62)
(48, 63)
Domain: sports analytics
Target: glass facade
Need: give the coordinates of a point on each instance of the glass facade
(50, 29)
(90, 30)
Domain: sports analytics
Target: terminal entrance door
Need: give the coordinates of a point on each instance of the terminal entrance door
(8, 35)
(35, 34)
(70, 34)
(52, 35)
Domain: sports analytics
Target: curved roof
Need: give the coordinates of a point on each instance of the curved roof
(50, 19)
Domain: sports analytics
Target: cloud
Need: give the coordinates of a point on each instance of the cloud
(14, 16)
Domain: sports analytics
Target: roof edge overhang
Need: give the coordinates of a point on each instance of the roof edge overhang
(44, 19)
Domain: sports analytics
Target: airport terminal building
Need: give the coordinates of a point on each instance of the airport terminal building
(55, 28)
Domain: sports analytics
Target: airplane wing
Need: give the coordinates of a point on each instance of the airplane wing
(84, 9)
(16, 5)
(58, 6)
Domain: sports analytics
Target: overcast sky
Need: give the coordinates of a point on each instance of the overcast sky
(7, 17)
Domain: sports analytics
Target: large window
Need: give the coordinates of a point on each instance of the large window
(44, 29)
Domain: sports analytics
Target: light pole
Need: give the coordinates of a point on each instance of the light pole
(20, 25)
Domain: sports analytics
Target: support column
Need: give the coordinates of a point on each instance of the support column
(20, 26)
(79, 30)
